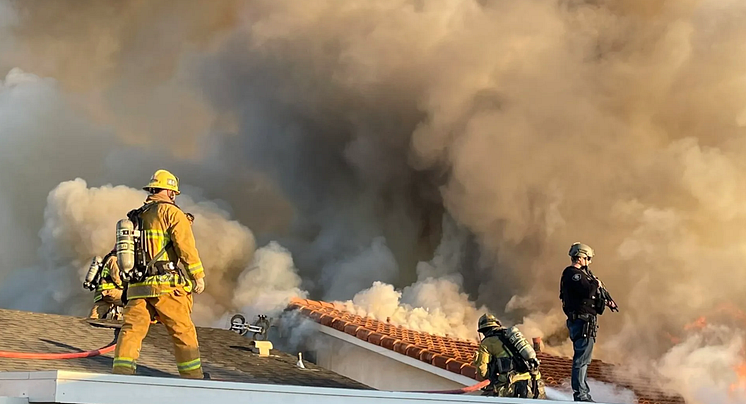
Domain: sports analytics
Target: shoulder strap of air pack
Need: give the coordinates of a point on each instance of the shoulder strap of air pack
(109, 255)
(134, 216)
(521, 363)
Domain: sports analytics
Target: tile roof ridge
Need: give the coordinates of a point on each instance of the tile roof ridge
(311, 308)
(335, 315)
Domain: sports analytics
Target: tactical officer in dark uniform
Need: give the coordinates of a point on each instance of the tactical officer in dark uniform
(583, 298)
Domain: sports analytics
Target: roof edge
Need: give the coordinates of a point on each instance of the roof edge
(377, 339)
(84, 388)
(405, 359)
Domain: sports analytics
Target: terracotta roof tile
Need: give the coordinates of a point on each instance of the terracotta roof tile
(388, 342)
(455, 366)
(456, 355)
(375, 338)
(427, 356)
(351, 328)
(339, 324)
(326, 320)
(401, 347)
(440, 361)
(469, 371)
(363, 333)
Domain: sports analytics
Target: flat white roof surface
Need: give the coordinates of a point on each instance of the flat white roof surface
(90, 388)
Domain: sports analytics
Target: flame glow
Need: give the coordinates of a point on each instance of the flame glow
(697, 324)
(740, 384)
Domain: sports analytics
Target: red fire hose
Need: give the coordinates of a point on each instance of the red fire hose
(462, 390)
(70, 355)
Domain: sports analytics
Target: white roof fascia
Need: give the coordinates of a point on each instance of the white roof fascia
(13, 400)
(19, 384)
(88, 388)
(446, 374)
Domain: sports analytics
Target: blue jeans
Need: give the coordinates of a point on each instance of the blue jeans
(583, 351)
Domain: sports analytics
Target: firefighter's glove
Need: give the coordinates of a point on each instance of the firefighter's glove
(199, 285)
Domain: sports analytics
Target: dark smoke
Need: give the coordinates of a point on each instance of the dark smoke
(352, 132)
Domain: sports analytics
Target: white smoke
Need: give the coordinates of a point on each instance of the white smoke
(79, 223)
(548, 326)
(702, 367)
(435, 303)
(433, 306)
(611, 393)
(268, 284)
(601, 392)
(225, 246)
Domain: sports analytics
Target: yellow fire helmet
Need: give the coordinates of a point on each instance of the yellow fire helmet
(163, 179)
(488, 322)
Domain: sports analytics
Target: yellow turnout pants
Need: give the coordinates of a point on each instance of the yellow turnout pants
(109, 298)
(174, 311)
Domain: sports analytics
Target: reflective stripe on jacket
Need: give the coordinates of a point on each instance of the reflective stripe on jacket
(110, 278)
(164, 222)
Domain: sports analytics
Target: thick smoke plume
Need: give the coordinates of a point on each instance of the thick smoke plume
(701, 367)
(435, 303)
(269, 284)
(347, 132)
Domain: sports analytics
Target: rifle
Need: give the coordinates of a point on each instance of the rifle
(604, 294)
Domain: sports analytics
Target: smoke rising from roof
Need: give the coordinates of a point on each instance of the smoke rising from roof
(347, 131)
(701, 367)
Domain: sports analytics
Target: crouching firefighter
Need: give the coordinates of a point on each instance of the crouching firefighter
(583, 298)
(151, 243)
(507, 359)
(103, 277)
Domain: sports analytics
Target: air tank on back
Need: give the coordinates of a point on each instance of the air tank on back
(125, 247)
(524, 348)
(91, 277)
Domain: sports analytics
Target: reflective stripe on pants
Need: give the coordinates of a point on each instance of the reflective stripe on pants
(174, 311)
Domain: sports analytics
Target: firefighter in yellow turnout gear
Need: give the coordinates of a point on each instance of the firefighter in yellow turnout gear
(494, 361)
(167, 295)
(109, 290)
